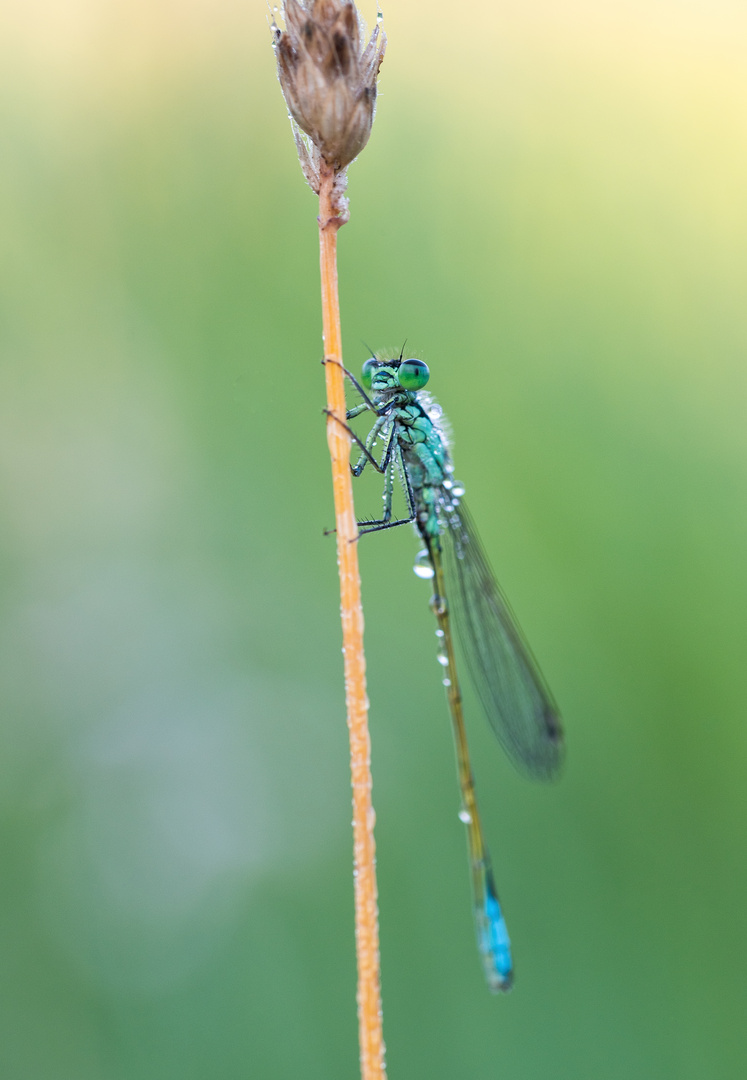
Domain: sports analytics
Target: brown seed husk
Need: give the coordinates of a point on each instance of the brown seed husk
(328, 78)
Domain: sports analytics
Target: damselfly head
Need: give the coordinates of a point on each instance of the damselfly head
(381, 376)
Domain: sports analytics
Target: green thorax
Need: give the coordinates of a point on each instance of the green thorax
(395, 387)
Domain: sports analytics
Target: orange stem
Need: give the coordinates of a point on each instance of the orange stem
(364, 850)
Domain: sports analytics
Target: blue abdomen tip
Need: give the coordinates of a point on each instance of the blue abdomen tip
(499, 945)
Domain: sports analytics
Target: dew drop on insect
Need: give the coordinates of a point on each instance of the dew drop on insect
(439, 632)
(465, 817)
(446, 682)
(422, 565)
(442, 657)
(457, 491)
(448, 484)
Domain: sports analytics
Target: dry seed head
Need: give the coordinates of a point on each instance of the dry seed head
(328, 78)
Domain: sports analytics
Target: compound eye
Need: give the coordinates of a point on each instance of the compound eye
(413, 374)
(367, 373)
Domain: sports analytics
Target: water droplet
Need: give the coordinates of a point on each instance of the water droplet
(446, 682)
(379, 16)
(448, 484)
(422, 565)
(458, 491)
(465, 816)
(442, 657)
(439, 632)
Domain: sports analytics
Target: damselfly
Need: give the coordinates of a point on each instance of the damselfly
(409, 426)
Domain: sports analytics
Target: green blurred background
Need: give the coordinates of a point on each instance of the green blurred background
(552, 210)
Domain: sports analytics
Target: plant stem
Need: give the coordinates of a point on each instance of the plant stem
(364, 851)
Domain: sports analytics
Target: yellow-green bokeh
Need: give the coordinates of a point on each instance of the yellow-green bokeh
(552, 211)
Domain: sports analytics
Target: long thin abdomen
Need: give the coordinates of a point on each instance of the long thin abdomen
(492, 933)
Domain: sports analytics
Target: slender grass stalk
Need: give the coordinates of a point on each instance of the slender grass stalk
(328, 78)
(364, 849)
